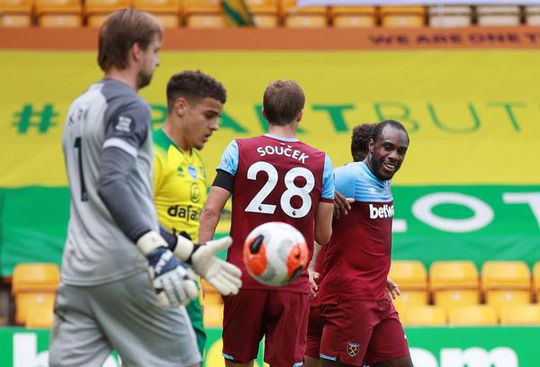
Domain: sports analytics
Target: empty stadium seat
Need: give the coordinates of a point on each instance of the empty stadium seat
(402, 16)
(454, 283)
(536, 280)
(409, 274)
(167, 12)
(204, 14)
(409, 299)
(97, 10)
(506, 282)
(520, 315)
(59, 13)
(41, 316)
(15, 13)
(473, 315)
(449, 16)
(498, 15)
(411, 277)
(304, 17)
(213, 315)
(265, 12)
(35, 277)
(353, 16)
(532, 15)
(423, 316)
(27, 302)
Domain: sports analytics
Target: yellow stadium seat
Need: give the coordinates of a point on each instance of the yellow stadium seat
(520, 315)
(97, 10)
(40, 316)
(15, 13)
(213, 315)
(167, 12)
(449, 16)
(453, 275)
(402, 16)
(265, 12)
(59, 13)
(35, 277)
(498, 15)
(532, 15)
(204, 14)
(12, 20)
(353, 16)
(409, 274)
(26, 302)
(424, 316)
(501, 298)
(305, 17)
(409, 299)
(505, 275)
(449, 299)
(536, 280)
(473, 315)
(506, 282)
(454, 283)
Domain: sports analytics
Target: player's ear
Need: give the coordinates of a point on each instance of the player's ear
(371, 145)
(264, 114)
(181, 105)
(299, 116)
(136, 51)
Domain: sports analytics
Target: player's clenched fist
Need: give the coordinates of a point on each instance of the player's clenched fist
(172, 282)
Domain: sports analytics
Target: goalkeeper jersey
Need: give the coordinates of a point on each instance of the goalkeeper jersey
(180, 186)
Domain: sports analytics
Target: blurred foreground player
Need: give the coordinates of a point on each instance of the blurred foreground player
(121, 283)
(274, 177)
(360, 325)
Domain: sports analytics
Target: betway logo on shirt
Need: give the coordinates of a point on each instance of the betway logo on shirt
(384, 211)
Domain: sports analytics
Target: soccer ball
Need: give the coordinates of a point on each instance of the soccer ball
(275, 253)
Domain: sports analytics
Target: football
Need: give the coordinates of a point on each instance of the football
(275, 253)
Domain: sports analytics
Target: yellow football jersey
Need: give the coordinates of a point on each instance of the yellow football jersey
(180, 186)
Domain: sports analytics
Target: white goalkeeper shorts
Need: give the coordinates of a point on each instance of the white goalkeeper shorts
(124, 315)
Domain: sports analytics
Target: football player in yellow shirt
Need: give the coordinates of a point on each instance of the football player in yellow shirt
(195, 102)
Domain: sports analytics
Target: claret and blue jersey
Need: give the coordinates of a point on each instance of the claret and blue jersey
(359, 254)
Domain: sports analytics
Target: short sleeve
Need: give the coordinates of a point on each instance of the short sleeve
(229, 159)
(328, 180)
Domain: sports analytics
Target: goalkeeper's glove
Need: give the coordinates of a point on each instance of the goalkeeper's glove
(171, 280)
(223, 276)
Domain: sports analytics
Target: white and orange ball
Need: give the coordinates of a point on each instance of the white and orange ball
(275, 253)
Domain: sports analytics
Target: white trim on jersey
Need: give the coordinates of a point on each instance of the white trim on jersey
(119, 143)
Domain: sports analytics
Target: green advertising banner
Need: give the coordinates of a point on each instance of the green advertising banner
(430, 347)
(431, 223)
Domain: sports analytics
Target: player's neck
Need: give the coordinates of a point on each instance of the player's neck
(176, 136)
(123, 76)
(287, 131)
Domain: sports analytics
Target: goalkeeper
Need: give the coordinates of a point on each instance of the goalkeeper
(195, 102)
(122, 284)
